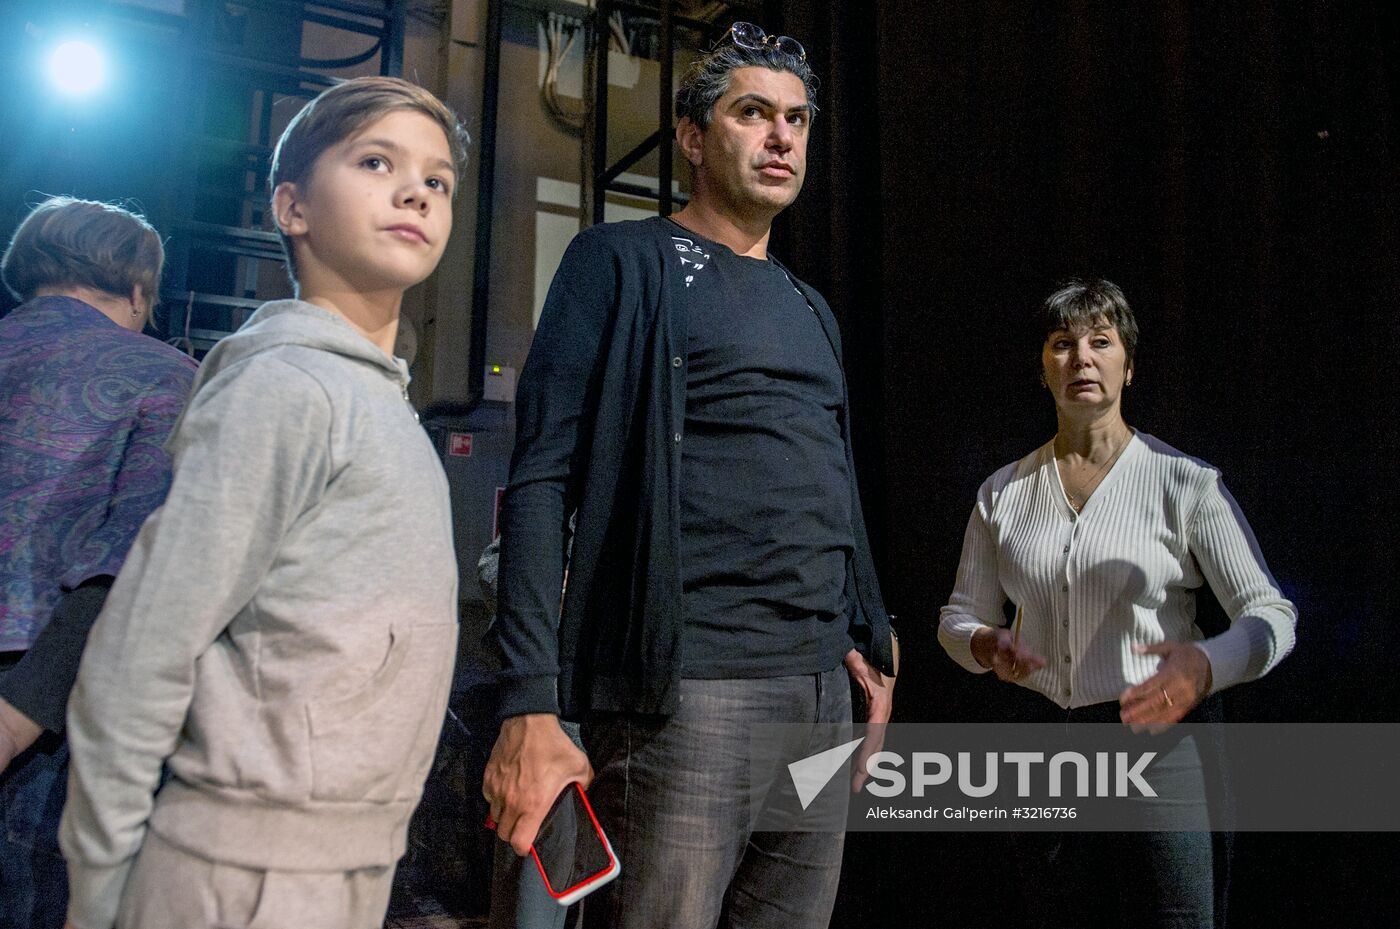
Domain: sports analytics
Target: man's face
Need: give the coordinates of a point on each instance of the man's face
(753, 157)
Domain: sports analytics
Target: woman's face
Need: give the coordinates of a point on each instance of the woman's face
(1086, 368)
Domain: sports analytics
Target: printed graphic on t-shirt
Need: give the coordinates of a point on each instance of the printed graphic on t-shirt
(692, 256)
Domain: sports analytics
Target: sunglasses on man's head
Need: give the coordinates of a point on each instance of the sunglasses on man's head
(747, 35)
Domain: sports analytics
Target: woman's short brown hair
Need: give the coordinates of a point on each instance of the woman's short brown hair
(66, 242)
(339, 113)
(1083, 303)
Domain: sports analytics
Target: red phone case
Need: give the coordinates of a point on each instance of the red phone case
(567, 895)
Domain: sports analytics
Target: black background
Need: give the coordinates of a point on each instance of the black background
(1232, 167)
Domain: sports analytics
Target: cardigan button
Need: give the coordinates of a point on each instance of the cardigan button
(678, 436)
(676, 362)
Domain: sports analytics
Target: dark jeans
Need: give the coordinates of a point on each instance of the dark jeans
(33, 880)
(674, 794)
(1154, 880)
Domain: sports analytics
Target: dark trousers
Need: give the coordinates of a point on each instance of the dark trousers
(33, 879)
(676, 795)
(1155, 880)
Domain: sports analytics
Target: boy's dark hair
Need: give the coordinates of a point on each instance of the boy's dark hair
(67, 242)
(340, 112)
(707, 79)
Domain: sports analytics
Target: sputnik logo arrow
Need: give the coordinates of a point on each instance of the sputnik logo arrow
(812, 773)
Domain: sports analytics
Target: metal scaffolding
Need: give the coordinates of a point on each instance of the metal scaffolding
(239, 61)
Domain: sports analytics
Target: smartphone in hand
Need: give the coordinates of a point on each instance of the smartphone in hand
(571, 851)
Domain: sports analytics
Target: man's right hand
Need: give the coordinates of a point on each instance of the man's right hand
(532, 762)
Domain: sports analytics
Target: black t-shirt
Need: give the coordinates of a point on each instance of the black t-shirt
(765, 496)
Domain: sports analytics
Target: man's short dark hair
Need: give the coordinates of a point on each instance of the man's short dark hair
(1083, 304)
(67, 242)
(707, 79)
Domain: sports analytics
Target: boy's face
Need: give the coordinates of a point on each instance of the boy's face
(376, 212)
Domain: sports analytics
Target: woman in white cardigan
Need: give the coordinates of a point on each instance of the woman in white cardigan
(1099, 538)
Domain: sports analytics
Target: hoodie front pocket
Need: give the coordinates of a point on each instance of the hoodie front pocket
(364, 744)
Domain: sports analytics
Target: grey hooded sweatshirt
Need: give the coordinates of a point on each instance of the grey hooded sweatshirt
(284, 629)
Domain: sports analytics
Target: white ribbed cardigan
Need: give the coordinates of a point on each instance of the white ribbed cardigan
(1121, 573)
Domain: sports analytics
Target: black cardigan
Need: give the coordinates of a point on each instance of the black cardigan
(600, 412)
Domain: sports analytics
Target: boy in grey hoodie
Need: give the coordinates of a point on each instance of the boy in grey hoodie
(284, 629)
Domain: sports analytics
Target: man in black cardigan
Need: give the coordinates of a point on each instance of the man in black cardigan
(684, 401)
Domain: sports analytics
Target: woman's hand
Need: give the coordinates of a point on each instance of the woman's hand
(1182, 681)
(1009, 659)
(17, 733)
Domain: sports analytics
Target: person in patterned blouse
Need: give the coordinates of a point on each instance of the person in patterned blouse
(86, 404)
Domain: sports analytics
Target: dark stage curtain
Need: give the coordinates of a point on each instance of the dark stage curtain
(1233, 167)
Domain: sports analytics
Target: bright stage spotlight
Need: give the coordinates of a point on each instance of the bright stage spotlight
(77, 67)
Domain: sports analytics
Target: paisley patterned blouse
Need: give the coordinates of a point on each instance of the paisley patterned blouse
(85, 408)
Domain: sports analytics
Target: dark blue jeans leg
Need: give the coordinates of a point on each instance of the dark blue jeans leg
(33, 879)
(1148, 879)
(790, 878)
(674, 795)
(518, 896)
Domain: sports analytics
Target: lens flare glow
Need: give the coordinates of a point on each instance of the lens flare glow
(77, 67)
